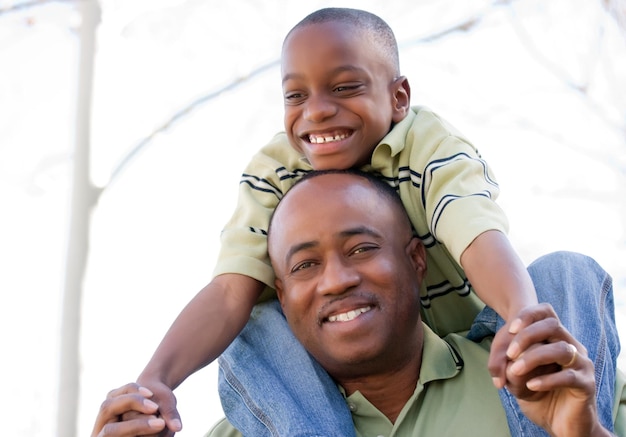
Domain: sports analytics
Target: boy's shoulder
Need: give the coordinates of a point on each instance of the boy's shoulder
(426, 119)
(276, 157)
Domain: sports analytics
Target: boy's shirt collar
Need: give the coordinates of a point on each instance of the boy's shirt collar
(391, 145)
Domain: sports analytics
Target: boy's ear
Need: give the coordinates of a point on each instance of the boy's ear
(401, 98)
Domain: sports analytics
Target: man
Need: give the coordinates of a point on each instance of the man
(348, 271)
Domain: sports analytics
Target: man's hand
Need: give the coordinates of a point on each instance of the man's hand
(130, 397)
(498, 359)
(551, 375)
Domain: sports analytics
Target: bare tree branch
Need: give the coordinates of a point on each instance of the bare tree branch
(183, 112)
(18, 7)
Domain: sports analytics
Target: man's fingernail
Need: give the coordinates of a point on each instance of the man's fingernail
(146, 392)
(148, 403)
(512, 351)
(517, 367)
(515, 326)
(156, 423)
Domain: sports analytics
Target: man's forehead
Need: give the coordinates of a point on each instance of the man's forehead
(328, 196)
(327, 186)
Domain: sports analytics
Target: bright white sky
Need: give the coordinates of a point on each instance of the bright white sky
(560, 157)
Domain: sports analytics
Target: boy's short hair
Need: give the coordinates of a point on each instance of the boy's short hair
(374, 26)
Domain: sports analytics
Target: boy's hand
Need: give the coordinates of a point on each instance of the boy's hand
(165, 399)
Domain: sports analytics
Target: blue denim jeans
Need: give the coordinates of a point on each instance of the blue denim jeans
(270, 386)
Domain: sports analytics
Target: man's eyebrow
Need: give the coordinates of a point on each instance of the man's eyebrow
(336, 71)
(298, 248)
(360, 230)
(350, 232)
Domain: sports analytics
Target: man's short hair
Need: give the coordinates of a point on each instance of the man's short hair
(384, 189)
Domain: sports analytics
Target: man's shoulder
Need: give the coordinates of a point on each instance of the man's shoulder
(223, 428)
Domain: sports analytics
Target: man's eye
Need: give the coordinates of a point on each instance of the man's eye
(302, 266)
(364, 249)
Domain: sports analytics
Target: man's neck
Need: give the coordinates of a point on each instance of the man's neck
(388, 392)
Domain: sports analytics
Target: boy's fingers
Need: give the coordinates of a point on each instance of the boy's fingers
(529, 315)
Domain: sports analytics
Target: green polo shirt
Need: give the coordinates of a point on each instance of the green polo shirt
(454, 397)
(454, 394)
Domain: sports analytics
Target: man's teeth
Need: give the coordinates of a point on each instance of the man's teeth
(326, 138)
(350, 315)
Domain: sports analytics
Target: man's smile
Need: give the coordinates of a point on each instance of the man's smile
(350, 315)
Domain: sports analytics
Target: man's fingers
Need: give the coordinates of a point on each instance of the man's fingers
(497, 357)
(142, 425)
(125, 400)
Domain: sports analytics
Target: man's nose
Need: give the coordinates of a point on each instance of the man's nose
(319, 108)
(337, 277)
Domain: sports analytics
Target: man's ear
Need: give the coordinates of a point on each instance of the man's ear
(417, 253)
(278, 286)
(401, 98)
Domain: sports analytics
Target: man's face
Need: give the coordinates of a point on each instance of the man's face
(348, 273)
(340, 95)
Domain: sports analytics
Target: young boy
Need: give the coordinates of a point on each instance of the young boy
(346, 105)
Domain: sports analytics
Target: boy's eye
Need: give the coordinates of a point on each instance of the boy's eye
(294, 97)
(347, 88)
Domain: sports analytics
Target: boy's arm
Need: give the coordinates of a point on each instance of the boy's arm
(202, 331)
(501, 280)
(498, 275)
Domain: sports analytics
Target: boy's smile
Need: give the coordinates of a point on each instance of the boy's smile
(341, 94)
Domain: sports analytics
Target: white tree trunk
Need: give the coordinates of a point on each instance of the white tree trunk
(83, 199)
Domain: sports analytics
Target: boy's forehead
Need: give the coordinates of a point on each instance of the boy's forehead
(315, 33)
(329, 44)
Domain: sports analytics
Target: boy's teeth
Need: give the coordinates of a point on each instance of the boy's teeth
(326, 138)
(350, 315)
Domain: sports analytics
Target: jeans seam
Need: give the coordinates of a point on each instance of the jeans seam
(233, 382)
(601, 354)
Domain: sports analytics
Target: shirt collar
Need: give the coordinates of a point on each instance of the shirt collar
(439, 361)
(391, 145)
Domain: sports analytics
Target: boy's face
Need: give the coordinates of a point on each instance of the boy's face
(341, 96)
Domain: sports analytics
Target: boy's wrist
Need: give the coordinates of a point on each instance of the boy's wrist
(155, 374)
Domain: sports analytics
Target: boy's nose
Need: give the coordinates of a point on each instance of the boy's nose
(319, 109)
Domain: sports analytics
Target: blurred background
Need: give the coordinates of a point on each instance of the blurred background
(124, 127)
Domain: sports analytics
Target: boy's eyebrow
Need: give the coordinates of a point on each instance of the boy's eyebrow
(340, 69)
(358, 230)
